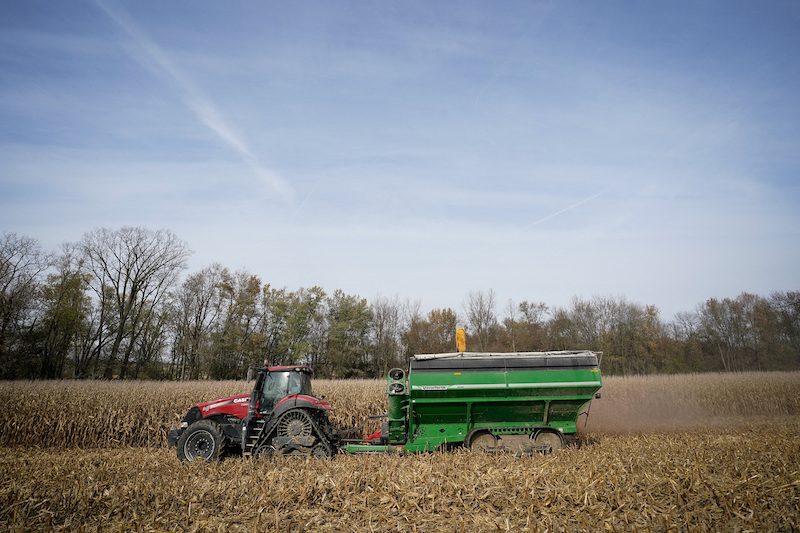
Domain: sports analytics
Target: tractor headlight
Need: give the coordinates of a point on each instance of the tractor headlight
(397, 374)
(396, 388)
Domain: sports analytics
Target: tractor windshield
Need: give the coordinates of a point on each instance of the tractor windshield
(299, 383)
(280, 384)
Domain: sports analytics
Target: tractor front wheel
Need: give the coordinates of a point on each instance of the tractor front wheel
(202, 440)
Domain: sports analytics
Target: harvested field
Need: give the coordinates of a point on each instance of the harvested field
(660, 453)
(735, 480)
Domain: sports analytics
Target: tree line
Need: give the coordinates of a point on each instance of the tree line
(119, 304)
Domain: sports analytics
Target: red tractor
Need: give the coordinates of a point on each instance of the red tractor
(280, 416)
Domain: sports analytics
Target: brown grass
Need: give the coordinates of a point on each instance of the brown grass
(706, 480)
(140, 413)
(103, 414)
(667, 453)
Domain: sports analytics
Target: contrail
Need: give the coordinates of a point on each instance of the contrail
(561, 211)
(191, 95)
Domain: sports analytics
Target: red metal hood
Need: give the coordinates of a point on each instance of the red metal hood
(234, 405)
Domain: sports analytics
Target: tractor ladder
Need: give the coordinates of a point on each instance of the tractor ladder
(253, 435)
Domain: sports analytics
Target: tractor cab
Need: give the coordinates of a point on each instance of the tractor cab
(279, 382)
(284, 417)
(279, 416)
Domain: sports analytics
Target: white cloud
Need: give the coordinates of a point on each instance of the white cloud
(151, 55)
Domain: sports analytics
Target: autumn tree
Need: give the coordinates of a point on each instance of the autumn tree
(631, 336)
(749, 331)
(237, 341)
(289, 323)
(22, 263)
(110, 305)
(65, 306)
(387, 326)
(524, 326)
(481, 317)
(194, 309)
(786, 306)
(135, 267)
(348, 346)
(434, 333)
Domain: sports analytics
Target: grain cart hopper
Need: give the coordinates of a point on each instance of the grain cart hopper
(485, 401)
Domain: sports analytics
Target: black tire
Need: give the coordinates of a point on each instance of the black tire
(548, 437)
(482, 442)
(203, 440)
(264, 452)
(321, 451)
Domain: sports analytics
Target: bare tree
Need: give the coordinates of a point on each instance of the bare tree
(386, 328)
(138, 266)
(93, 335)
(22, 263)
(411, 310)
(510, 323)
(64, 308)
(787, 309)
(480, 310)
(152, 339)
(236, 340)
(195, 308)
(685, 325)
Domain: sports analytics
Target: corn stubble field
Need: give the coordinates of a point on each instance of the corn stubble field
(659, 453)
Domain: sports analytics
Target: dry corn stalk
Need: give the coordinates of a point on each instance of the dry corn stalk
(139, 413)
(704, 480)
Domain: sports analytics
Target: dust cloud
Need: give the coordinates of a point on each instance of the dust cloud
(650, 404)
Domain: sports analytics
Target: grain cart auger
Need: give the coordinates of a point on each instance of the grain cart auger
(279, 416)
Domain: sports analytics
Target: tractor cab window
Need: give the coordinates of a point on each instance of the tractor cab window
(299, 383)
(274, 389)
(280, 384)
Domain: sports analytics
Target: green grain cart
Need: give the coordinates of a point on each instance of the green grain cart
(485, 401)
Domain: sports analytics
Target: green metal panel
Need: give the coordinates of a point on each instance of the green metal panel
(398, 406)
(446, 405)
(446, 397)
(372, 448)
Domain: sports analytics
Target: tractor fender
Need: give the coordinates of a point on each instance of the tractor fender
(300, 401)
(231, 426)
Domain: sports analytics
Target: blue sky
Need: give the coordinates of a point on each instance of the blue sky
(543, 149)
